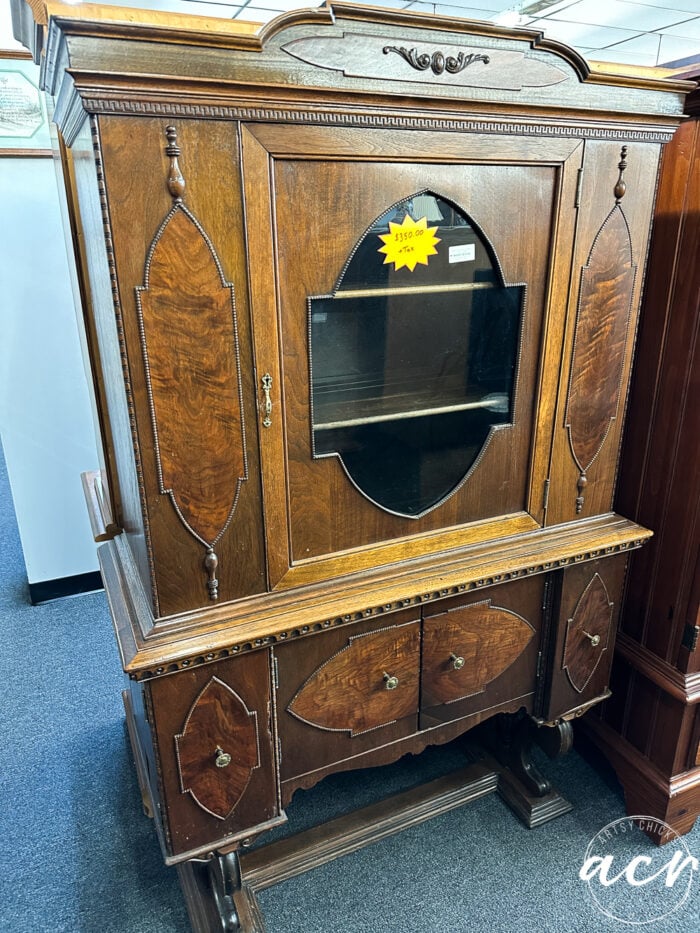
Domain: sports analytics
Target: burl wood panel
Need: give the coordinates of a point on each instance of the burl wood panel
(307, 748)
(218, 749)
(224, 705)
(599, 335)
(486, 638)
(607, 282)
(190, 349)
(588, 631)
(136, 172)
(497, 632)
(370, 683)
(586, 598)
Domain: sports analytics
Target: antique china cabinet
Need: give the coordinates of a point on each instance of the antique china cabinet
(360, 293)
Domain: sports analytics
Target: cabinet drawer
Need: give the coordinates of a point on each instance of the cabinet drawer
(212, 737)
(346, 691)
(586, 608)
(481, 654)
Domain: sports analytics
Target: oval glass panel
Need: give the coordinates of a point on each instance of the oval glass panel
(413, 357)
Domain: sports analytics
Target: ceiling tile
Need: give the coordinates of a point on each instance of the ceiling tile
(690, 29)
(581, 34)
(620, 13)
(467, 10)
(277, 6)
(684, 6)
(673, 48)
(623, 58)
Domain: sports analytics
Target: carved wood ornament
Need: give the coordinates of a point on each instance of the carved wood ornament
(200, 443)
(605, 300)
(438, 62)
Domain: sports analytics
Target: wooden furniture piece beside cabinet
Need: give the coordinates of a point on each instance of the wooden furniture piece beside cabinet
(361, 295)
(650, 729)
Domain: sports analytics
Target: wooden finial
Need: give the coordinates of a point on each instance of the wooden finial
(176, 183)
(211, 562)
(621, 187)
(581, 486)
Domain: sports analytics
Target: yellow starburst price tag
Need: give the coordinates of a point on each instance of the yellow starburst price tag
(409, 243)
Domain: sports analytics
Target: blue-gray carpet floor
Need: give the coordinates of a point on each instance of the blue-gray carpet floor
(77, 854)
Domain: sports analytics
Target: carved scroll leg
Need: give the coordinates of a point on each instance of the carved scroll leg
(218, 900)
(526, 791)
(235, 901)
(556, 740)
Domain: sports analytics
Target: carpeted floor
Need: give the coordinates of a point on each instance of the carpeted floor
(78, 855)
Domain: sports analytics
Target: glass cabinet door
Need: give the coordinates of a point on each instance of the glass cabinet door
(404, 339)
(413, 357)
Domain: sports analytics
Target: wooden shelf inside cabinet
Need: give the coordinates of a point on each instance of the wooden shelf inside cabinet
(362, 373)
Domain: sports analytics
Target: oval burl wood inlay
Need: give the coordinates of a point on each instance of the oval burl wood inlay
(605, 296)
(217, 720)
(587, 634)
(190, 351)
(349, 692)
(487, 637)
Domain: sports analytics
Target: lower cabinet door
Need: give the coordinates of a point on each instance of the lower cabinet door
(212, 734)
(346, 691)
(480, 653)
(585, 609)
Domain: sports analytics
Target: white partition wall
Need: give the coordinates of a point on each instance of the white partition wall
(46, 424)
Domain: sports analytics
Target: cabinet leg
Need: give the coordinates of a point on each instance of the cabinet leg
(521, 784)
(557, 740)
(235, 901)
(217, 898)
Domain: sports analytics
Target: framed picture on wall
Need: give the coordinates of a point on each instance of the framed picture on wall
(24, 125)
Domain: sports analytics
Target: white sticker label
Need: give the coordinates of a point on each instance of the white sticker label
(465, 252)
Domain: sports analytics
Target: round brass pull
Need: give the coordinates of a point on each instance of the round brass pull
(595, 639)
(391, 683)
(223, 759)
(457, 662)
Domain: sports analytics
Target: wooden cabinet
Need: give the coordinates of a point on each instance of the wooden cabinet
(650, 729)
(360, 299)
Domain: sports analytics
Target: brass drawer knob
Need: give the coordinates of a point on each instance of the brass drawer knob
(595, 639)
(391, 683)
(457, 662)
(223, 759)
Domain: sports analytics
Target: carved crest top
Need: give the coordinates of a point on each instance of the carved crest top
(338, 47)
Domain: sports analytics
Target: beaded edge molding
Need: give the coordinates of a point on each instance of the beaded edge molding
(417, 599)
(368, 120)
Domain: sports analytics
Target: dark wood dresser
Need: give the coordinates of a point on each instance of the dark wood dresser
(650, 729)
(361, 294)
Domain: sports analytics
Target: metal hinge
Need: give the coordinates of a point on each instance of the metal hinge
(539, 665)
(579, 185)
(545, 594)
(691, 633)
(545, 499)
(275, 673)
